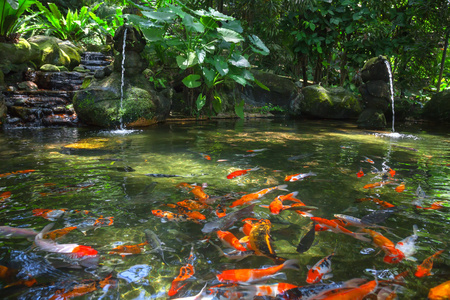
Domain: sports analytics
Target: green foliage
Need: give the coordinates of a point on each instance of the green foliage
(74, 26)
(10, 12)
(206, 45)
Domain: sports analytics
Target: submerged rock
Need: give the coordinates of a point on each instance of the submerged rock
(331, 103)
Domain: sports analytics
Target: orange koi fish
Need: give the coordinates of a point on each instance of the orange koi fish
(436, 205)
(321, 270)
(257, 150)
(335, 227)
(245, 241)
(355, 293)
(52, 235)
(186, 272)
(4, 196)
(440, 292)
(261, 241)
(16, 173)
(195, 215)
(320, 227)
(72, 250)
(300, 208)
(424, 269)
(392, 254)
(252, 275)
(83, 288)
(221, 211)
(170, 216)
(276, 206)
(206, 156)
(240, 172)
(400, 188)
(184, 185)
(299, 176)
(248, 225)
(391, 172)
(229, 240)
(360, 173)
(199, 193)
(124, 250)
(254, 196)
(192, 204)
(377, 201)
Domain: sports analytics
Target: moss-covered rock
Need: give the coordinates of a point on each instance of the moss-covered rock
(49, 68)
(55, 51)
(99, 104)
(332, 103)
(372, 118)
(438, 108)
(18, 53)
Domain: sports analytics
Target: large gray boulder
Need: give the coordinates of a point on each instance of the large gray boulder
(331, 103)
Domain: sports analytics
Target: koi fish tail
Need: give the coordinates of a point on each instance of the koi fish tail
(282, 187)
(278, 260)
(415, 229)
(361, 237)
(291, 264)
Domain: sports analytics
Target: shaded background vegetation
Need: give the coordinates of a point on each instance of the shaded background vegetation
(315, 41)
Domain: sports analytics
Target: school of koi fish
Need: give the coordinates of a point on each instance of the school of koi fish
(228, 225)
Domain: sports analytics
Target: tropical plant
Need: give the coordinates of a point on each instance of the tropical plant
(74, 26)
(207, 47)
(10, 12)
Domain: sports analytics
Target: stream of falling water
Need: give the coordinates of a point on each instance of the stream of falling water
(122, 83)
(391, 86)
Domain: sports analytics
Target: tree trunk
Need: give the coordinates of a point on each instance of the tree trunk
(447, 36)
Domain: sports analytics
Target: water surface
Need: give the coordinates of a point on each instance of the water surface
(107, 176)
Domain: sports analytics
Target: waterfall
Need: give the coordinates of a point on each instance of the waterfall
(391, 86)
(122, 83)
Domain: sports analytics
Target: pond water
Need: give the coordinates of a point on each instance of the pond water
(104, 172)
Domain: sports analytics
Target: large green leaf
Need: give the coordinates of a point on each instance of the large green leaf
(229, 35)
(234, 25)
(153, 34)
(209, 76)
(160, 16)
(208, 22)
(239, 79)
(13, 3)
(192, 25)
(187, 62)
(239, 109)
(217, 104)
(200, 102)
(192, 81)
(258, 46)
(221, 65)
(239, 61)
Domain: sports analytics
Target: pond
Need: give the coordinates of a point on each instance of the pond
(106, 183)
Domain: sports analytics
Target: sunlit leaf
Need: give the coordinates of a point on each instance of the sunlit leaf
(192, 81)
(258, 46)
(201, 101)
(230, 36)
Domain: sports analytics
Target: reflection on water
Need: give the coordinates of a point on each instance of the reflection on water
(104, 173)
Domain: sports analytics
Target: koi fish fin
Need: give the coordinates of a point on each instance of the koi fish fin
(282, 187)
(327, 276)
(254, 169)
(46, 229)
(264, 206)
(291, 264)
(361, 237)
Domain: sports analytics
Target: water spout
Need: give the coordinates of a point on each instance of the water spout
(122, 83)
(391, 86)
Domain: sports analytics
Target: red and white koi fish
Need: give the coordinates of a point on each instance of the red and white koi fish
(49, 214)
(321, 270)
(368, 160)
(254, 196)
(268, 290)
(253, 275)
(257, 150)
(392, 254)
(240, 172)
(333, 226)
(229, 240)
(299, 176)
(424, 269)
(74, 251)
(407, 245)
